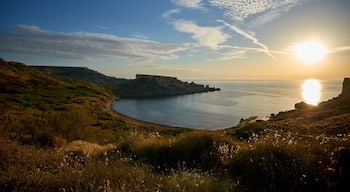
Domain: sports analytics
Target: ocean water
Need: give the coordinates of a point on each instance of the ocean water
(223, 109)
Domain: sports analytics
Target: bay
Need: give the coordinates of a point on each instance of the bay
(223, 109)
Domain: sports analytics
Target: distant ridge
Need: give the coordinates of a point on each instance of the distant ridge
(142, 86)
(81, 73)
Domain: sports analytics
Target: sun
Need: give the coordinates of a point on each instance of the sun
(310, 52)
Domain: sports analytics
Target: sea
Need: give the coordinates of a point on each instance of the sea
(238, 99)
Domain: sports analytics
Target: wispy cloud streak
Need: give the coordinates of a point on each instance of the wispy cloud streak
(170, 12)
(340, 49)
(250, 14)
(33, 40)
(250, 37)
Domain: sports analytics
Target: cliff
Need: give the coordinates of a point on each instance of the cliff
(142, 86)
(154, 85)
(345, 94)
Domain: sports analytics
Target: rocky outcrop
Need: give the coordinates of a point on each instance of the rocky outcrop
(142, 86)
(302, 105)
(154, 85)
(345, 94)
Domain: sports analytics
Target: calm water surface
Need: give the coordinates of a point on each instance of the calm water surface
(222, 109)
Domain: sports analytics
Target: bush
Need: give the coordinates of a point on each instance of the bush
(47, 129)
(272, 168)
(342, 175)
(247, 131)
(192, 151)
(27, 168)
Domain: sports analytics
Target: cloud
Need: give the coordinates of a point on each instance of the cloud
(340, 49)
(140, 36)
(102, 27)
(250, 37)
(32, 40)
(193, 4)
(263, 19)
(250, 14)
(170, 12)
(236, 54)
(239, 10)
(206, 36)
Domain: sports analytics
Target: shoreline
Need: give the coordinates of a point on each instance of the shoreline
(136, 122)
(108, 107)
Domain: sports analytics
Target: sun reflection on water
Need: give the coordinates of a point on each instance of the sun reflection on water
(311, 91)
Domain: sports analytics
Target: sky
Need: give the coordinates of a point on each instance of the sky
(188, 39)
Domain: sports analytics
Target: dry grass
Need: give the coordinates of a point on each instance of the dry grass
(50, 142)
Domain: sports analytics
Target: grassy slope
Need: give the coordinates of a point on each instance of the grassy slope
(32, 101)
(56, 135)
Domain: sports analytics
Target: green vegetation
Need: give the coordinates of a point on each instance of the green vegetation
(57, 135)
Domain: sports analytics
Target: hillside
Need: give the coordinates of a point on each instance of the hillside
(81, 73)
(144, 86)
(37, 108)
(59, 134)
(27, 88)
(329, 117)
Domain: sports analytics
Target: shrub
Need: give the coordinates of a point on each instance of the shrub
(272, 168)
(248, 130)
(69, 124)
(192, 151)
(342, 175)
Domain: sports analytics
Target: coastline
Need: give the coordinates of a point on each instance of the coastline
(108, 107)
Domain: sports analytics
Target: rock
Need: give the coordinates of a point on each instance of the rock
(345, 94)
(302, 105)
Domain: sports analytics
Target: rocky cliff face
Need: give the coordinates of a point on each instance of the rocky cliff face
(345, 94)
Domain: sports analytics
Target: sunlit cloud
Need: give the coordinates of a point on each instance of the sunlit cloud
(210, 37)
(193, 4)
(249, 36)
(236, 54)
(244, 15)
(263, 19)
(340, 49)
(168, 68)
(32, 40)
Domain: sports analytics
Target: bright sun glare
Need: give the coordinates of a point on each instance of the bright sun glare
(311, 91)
(310, 52)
